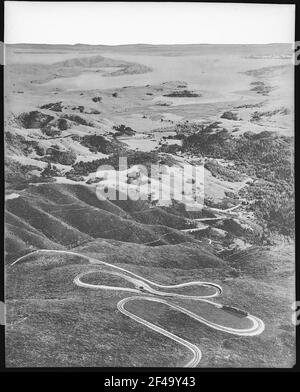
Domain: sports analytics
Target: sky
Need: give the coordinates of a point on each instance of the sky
(118, 23)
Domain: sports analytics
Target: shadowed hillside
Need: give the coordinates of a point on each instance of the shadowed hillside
(55, 216)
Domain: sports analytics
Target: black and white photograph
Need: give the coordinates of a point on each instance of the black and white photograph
(149, 185)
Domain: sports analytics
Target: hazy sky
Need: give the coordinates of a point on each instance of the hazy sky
(154, 23)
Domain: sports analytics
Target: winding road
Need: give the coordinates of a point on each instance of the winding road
(152, 291)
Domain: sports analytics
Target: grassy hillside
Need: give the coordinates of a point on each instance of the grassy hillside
(65, 216)
(52, 322)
